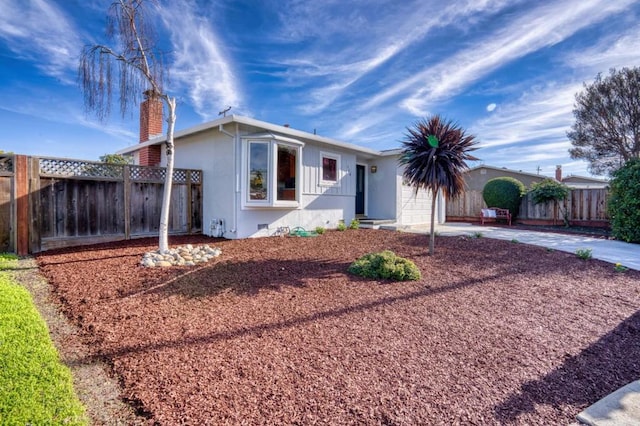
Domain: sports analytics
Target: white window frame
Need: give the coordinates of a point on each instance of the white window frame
(272, 179)
(333, 156)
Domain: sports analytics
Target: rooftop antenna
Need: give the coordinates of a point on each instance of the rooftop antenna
(539, 169)
(224, 112)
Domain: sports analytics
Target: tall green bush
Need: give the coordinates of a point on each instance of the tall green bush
(505, 193)
(624, 204)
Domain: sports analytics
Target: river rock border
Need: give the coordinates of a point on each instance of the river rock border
(180, 256)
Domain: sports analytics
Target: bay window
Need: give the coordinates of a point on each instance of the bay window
(271, 176)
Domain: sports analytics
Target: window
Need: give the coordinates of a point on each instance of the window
(258, 171)
(330, 164)
(272, 172)
(286, 166)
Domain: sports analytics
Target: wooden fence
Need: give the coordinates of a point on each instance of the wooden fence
(7, 210)
(583, 207)
(54, 203)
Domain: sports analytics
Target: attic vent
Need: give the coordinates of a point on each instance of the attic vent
(483, 171)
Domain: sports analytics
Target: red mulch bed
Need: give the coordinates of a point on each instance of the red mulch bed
(276, 331)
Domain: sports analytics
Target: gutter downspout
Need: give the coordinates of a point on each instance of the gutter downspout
(235, 167)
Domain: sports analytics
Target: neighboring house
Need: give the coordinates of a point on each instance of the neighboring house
(259, 177)
(477, 177)
(584, 182)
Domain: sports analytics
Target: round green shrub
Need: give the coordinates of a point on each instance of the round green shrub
(505, 193)
(624, 204)
(385, 265)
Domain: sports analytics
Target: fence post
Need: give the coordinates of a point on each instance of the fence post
(35, 212)
(21, 175)
(189, 206)
(126, 174)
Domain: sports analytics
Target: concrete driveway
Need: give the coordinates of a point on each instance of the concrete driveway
(607, 250)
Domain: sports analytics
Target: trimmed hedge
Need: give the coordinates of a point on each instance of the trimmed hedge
(505, 193)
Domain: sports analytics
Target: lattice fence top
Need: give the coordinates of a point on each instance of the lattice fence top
(91, 169)
(147, 173)
(6, 164)
(79, 168)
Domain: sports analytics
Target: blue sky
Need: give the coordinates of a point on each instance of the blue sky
(359, 71)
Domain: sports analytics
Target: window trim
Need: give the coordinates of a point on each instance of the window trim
(332, 156)
(272, 162)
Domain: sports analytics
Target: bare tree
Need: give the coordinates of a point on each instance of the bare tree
(607, 128)
(133, 68)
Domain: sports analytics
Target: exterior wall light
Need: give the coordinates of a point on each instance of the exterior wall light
(374, 169)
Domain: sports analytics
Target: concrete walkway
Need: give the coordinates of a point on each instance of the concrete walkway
(607, 250)
(621, 408)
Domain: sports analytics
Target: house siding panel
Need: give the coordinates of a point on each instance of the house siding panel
(415, 208)
(382, 190)
(213, 153)
(312, 172)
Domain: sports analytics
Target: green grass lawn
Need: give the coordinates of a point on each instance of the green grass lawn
(35, 387)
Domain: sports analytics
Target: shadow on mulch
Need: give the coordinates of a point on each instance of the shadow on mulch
(233, 276)
(259, 329)
(608, 364)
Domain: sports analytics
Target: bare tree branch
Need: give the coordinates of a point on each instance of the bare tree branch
(139, 71)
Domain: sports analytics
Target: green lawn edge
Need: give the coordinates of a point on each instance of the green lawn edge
(35, 387)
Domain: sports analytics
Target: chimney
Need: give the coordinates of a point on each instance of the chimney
(150, 126)
(559, 173)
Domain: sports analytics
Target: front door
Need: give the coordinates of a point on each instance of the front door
(360, 170)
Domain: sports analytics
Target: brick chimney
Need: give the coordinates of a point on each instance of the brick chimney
(150, 126)
(559, 173)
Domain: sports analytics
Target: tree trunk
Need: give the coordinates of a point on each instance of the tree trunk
(168, 179)
(432, 234)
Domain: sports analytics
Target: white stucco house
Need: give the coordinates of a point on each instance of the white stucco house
(259, 177)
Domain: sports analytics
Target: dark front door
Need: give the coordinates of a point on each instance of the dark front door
(360, 170)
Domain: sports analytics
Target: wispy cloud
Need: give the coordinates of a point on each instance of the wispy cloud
(67, 112)
(532, 30)
(611, 52)
(39, 31)
(395, 30)
(542, 113)
(534, 153)
(200, 65)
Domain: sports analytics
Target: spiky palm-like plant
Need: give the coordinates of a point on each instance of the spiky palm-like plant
(434, 153)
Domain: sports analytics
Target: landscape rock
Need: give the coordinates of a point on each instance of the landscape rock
(187, 255)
